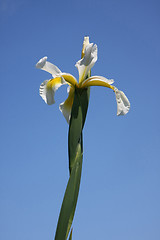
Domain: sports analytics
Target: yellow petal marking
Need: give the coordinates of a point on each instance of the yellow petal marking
(96, 83)
(69, 101)
(66, 107)
(71, 80)
(53, 82)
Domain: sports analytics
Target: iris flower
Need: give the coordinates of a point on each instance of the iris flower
(84, 65)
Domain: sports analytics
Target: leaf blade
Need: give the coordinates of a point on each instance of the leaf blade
(70, 200)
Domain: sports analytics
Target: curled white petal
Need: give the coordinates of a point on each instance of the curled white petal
(85, 64)
(40, 64)
(47, 91)
(65, 111)
(123, 104)
(48, 67)
(66, 106)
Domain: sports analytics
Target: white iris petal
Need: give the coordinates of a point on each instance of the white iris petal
(48, 87)
(66, 106)
(48, 67)
(123, 104)
(85, 43)
(48, 93)
(65, 111)
(85, 64)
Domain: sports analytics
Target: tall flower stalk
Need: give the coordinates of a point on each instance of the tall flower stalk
(74, 109)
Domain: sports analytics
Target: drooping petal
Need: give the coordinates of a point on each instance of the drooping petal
(48, 67)
(69, 78)
(97, 81)
(85, 64)
(66, 106)
(123, 104)
(48, 88)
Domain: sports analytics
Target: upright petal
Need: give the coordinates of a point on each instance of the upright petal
(85, 64)
(123, 104)
(85, 43)
(48, 88)
(66, 106)
(48, 67)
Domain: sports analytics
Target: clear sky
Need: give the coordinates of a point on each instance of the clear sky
(119, 194)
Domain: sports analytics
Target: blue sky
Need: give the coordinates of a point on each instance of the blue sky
(119, 194)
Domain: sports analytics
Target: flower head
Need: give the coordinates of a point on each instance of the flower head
(84, 65)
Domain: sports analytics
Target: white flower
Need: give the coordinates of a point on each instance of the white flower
(84, 65)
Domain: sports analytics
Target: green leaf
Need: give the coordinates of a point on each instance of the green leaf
(75, 146)
(84, 99)
(70, 199)
(78, 116)
(75, 129)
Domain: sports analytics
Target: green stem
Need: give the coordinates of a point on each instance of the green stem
(75, 148)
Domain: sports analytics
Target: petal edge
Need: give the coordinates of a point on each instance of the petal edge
(85, 64)
(48, 67)
(66, 106)
(123, 104)
(48, 88)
